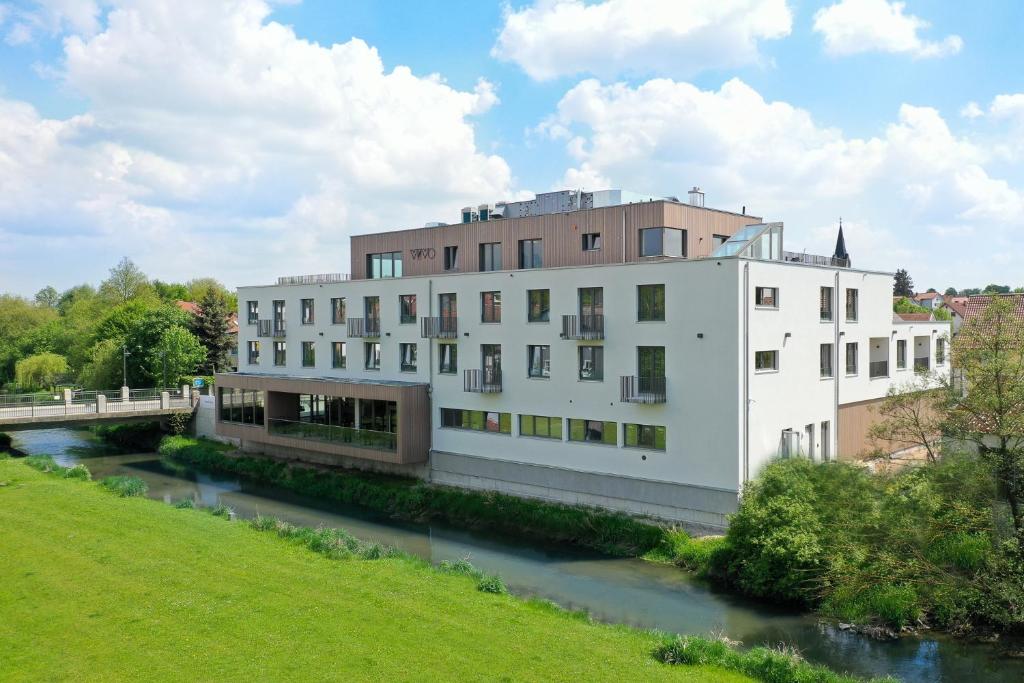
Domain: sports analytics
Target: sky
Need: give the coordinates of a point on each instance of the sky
(248, 139)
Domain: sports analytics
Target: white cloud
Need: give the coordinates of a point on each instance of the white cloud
(219, 142)
(853, 26)
(50, 18)
(1008, 106)
(552, 38)
(971, 110)
(663, 136)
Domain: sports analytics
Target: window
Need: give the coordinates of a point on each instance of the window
(544, 427)
(591, 241)
(490, 307)
(477, 420)
(826, 303)
(279, 353)
(307, 312)
(490, 256)
(407, 309)
(278, 314)
(449, 305)
(254, 352)
(254, 312)
(591, 306)
(825, 360)
(650, 303)
(851, 305)
(490, 359)
(851, 358)
(339, 355)
(451, 258)
(662, 242)
(448, 358)
(651, 437)
(407, 356)
(593, 431)
(371, 307)
(940, 351)
(338, 311)
(650, 361)
(242, 406)
(308, 355)
(592, 363)
(901, 354)
(371, 355)
(531, 253)
(767, 297)
(538, 361)
(388, 264)
(538, 305)
(765, 361)
(718, 240)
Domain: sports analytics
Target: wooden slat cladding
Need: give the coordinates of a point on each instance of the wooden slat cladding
(413, 414)
(423, 248)
(855, 422)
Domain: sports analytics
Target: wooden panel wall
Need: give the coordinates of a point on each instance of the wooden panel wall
(561, 232)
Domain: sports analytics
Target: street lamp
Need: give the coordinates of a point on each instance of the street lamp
(124, 365)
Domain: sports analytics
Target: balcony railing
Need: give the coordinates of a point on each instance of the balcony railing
(486, 381)
(318, 279)
(362, 438)
(582, 327)
(642, 389)
(815, 259)
(364, 327)
(445, 327)
(878, 368)
(921, 364)
(270, 328)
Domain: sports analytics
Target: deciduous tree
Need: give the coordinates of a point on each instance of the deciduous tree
(40, 371)
(180, 350)
(126, 282)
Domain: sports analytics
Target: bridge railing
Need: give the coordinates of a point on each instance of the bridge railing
(45, 404)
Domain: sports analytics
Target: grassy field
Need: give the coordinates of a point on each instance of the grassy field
(93, 586)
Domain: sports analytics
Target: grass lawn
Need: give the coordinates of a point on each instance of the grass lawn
(93, 586)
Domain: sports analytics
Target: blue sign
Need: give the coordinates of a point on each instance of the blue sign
(198, 382)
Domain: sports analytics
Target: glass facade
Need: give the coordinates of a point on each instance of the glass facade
(477, 420)
(384, 265)
(241, 406)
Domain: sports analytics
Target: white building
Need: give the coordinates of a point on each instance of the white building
(590, 362)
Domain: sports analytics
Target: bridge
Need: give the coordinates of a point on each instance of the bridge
(67, 407)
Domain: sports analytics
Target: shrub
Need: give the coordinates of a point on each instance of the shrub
(185, 504)
(221, 510)
(462, 566)
(126, 487)
(492, 584)
(178, 423)
(79, 471)
(43, 463)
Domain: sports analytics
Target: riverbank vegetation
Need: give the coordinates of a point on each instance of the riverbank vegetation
(185, 595)
(81, 337)
(416, 500)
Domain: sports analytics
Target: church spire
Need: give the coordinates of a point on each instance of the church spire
(841, 252)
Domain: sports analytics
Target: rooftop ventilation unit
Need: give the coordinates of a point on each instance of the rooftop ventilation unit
(469, 215)
(696, 197)
(485, 211)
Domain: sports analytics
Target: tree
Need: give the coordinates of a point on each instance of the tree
(40, 371)
(47, 297)
(911, 416)
(102, 370)
(950, 291)
(199, 289)
(125, 283)
(171, 292)
(211, 326)
(20, 324)
(942, 313)
(997, 289)
(903, 285)
(990, 415)
(932, 290)
(905, 305)
(179, 352)
(970, 291)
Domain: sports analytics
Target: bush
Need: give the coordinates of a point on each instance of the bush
(79, 471)
(492, 584)
(411, 499)
(695, 554)
(178, 423)
(221, 510)
(126, 487)
(185, 504)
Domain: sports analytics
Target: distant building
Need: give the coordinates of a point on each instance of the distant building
(957, 307)
(930, 300)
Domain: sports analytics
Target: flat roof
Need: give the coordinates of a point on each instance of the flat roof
(335, 380)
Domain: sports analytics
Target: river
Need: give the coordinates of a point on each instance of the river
(616, 590)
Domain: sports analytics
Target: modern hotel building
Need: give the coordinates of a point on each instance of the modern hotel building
(601, 348)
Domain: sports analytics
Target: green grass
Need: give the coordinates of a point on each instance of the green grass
(98, 587)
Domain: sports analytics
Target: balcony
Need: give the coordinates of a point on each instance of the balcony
(487, 381)
(647, 390)
(446, 327)
(363, 438)
(582, 327)
(270, 328)
(921, 364)
(878, 368)
(815, 259)
(364, 327)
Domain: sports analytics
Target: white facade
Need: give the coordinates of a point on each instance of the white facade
(723, 417)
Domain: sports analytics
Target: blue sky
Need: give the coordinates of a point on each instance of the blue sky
(246, 140)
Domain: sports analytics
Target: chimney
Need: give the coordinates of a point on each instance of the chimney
(696, 196)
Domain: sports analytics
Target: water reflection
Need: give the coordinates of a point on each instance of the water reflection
(611, 589)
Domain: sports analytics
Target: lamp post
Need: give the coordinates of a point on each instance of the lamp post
(124, 365)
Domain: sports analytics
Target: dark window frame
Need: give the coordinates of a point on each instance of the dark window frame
(406, 314)
(544, 306)
(653, 308)
(335, 356)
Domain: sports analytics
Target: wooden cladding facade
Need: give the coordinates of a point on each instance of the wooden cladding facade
(423, 249)
(413, 414)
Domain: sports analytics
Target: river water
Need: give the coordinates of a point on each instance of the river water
(616, 590)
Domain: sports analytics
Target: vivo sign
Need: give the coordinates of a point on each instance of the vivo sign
(420, 254)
